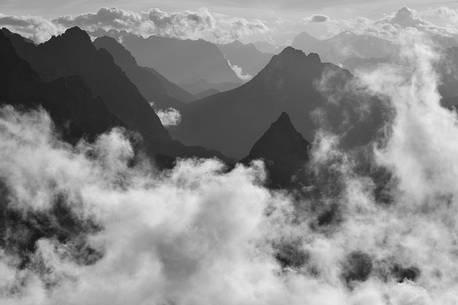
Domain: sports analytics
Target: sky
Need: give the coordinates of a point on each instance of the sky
(248, 8)
(215, 20)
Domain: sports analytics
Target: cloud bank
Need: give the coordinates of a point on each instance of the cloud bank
(199, 234)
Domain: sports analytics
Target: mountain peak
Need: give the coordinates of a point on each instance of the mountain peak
(280, 139)
(120, 54)
(283, 119)
(293, 54)
(290, 51)
(75, 33)
(283, 149)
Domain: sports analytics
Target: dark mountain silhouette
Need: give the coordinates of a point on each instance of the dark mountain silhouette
(73, 56)
(344, 46)
(231, 121)
(73, 53)
(150, 83)
(181, 61)
(246, 56)
(285, 153)
(68, 100)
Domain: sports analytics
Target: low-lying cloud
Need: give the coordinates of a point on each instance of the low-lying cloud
(200, 234)
(239, 72)
(169, 117)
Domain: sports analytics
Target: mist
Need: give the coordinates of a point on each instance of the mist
(201, 233)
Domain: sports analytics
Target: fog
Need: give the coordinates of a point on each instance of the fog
(200, 234)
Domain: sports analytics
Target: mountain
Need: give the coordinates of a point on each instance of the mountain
(245, 56)
(204, 88)
(267, 47)
(68, 100)
(345, 45)
(181, 61)
(313, 94)
(73, 56)
(285, 153)
(73, 53)
(154, 87)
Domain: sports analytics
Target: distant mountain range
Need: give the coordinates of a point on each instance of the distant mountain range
(90, 90)
(231, 121)
(183, 62)
(246, 56)
(150, 83)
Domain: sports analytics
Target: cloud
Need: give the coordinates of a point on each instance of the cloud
(35, 28)
(318, 18)
(202, 234)
(201, 24)
(239, 72)
(169, 117)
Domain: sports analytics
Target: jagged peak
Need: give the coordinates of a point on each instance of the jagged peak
(280, 138)
(75, 34)
(283, 119)
(290, 51)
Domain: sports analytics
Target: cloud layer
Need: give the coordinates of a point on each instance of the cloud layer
(199, 234)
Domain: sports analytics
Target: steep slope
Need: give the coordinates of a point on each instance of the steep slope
(285, 153)
(68, 100)
(150, 83)
(245, 56)
(181, 61)
(231, 121)
(73, 56)
(73, 53)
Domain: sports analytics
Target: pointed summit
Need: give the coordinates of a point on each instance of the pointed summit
(281, 140)
(76, 33)
(284, 151)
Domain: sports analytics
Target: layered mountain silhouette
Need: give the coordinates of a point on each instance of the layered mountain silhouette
(182, 61)
(68, 100)
(284, 152)
(245, 56)
(73, 53)
(153, 86)
(95, 76)
(313, 93)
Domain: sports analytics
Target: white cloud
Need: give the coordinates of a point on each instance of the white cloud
(169, 117)
(36, 28)
(239, 72)
(201, 24)
(199, 234)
